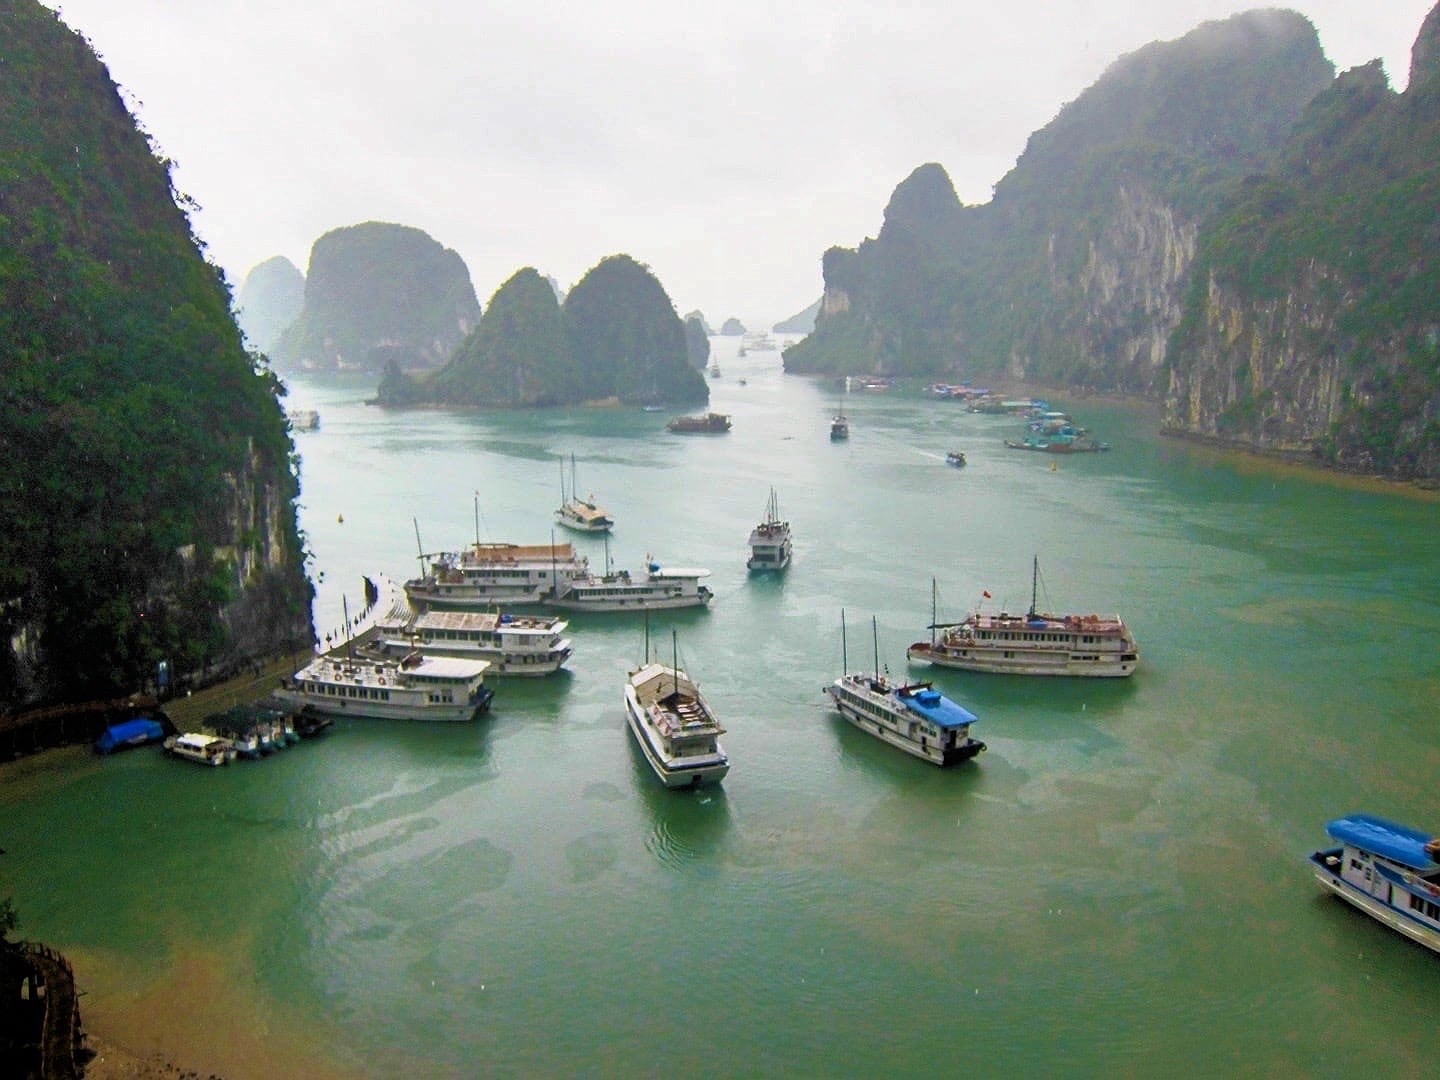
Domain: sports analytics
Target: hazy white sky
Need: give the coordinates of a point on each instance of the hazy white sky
(725, 145)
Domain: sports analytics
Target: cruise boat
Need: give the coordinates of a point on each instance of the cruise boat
(914, 717)
(511, 644)
(1035, 643)
(770, 546)
(673, 725)
(582, 515)
(200, 748)
(496, 575)
(839, 427)
(1389, 871)
(303, 419)
(708, 424)
(657, 588)
(416, 687)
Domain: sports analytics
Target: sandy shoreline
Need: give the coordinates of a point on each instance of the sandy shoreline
(110, 1061)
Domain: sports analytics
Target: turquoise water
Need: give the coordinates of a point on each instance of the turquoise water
(1118, 885)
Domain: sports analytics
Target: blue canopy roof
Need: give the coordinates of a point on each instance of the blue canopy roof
(1398, 843)
(936, 707)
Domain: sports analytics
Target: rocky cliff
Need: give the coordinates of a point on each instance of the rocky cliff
(1076, 272)
(1313, 317)
(149, 494)
(378, 293)
(616, 337)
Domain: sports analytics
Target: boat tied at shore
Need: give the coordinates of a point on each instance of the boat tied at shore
(706, 424)
(415, 687)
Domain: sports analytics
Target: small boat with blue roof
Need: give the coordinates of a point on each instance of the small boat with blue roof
(1387, 870)
(914, 717)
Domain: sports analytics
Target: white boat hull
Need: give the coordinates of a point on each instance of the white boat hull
(692, 772)
(378, 710)
(1374, 907)
(1025, 661)
(629, 603)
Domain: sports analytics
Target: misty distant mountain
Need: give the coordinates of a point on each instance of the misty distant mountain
(377, 293)
(802, 323)
(271, 298)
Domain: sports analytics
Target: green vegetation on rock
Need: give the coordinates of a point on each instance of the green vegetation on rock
(137, 430)
(616, 337)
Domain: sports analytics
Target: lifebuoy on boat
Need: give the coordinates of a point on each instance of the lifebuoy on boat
(381, 681)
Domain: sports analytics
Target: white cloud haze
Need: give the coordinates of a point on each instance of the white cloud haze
(726, 146)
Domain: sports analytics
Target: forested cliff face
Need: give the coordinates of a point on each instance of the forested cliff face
(1313, 318)
(1077, 270)
(615, 337)
(376, 294)
(149, 488)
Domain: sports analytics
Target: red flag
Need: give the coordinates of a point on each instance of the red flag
(985, 593)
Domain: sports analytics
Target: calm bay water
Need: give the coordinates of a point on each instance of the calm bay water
(1119, 884)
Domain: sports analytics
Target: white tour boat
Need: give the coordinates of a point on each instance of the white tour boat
(201, 749)
(1035, 643)
(1389, 871)
(511, 644)
(657, 588)
(582, 515)
(674, 726)
(491, 575)
(416, 687)
(914, 717)
(770, 545)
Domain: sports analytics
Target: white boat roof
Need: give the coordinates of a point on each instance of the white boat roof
(443, 667)
(679, 572)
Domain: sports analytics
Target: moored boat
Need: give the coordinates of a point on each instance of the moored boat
(493, 575)
(1387, 870)
(139, 731)
(582, 515)
(707, 424)
(1058, 442)
(839, 427)
(673, 725)
(913, 717)
(770, 542)
(1035, 643)
(511, 644)
(416, 687)
(201, 748)
(656, 588)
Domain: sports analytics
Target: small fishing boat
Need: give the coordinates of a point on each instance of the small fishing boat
(1064, 441)
(673, 724)
(956, 458)
(139, 731)
(1035, 643)
(1387, 870)
(914, 717)
(582, 515)
(770, 544)
(707, 424)
(200, 748)
(839, 427)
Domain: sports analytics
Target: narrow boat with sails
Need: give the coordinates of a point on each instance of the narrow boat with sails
(1389, 871)
(770, 543)
(673, 725)
(913, 717)
(582, 515)
(415, 687)
(1034, 643)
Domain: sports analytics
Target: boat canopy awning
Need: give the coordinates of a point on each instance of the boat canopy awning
(936, 707)
(1398, 843)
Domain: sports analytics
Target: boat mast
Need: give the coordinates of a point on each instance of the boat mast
(419, 547)
(477, 519)
(1034, 585)
(933, 615)
(875, 635)
(844, 662)
(675, 661)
